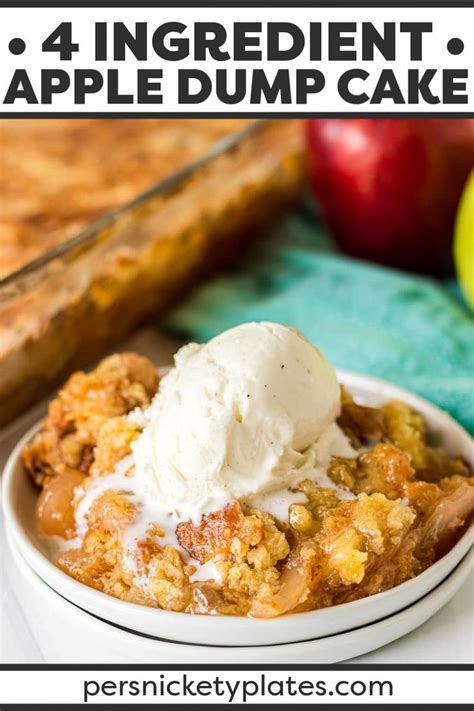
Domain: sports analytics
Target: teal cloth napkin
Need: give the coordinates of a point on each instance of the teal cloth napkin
(408, 329)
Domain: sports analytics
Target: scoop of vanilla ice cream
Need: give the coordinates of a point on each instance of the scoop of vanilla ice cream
(234, 416)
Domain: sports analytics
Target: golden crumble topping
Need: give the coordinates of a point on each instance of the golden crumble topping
(410, 502)
(86, 402)
(58, 175)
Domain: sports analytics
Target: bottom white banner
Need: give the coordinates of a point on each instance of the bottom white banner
(236, 686)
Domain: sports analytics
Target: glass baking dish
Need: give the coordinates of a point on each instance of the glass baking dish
(64, 308)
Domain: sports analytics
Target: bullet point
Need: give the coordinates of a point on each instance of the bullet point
(455, 46)
(17, 46)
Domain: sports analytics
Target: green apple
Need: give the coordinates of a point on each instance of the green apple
(464, 241)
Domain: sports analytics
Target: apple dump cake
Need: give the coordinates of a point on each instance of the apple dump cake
(245, 481)
(57, 176)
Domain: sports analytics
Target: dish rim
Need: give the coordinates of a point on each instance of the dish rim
(446, 590)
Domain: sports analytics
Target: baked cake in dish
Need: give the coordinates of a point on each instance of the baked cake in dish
(90, 293)
(58, 175)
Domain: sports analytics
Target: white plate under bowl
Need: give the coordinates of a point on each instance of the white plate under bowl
(19, 497)
(67, 634)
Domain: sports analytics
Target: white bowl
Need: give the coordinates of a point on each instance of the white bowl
(67, 634)
(19, 498)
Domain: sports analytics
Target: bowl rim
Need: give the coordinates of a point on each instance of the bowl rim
(445, 589)
(103, 600)
(460, 571)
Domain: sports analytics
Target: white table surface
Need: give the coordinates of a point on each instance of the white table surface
(447, 638)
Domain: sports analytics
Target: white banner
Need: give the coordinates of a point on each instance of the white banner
(257, 60)
(208, 686)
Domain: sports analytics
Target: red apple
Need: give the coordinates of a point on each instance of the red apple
(389, 188)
